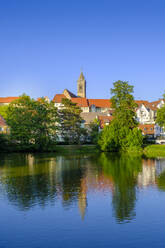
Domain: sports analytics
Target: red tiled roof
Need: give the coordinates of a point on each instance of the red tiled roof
(100, 103)
(147, 104)
(8, 99)
(81, 102)
(152, 106)
(147, 128)
(58, 98)
(140, 102)
(157, 102)
(104, 119)
(41, 98)
(2, 122)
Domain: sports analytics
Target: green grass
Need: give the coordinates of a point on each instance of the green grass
(152, 151)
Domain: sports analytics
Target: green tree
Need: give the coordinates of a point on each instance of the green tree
(94, 131)
(123, 104)
(3, 111)
(32, 123)
(160, 120)
(120, 134)
(71, 123)
(108, 138)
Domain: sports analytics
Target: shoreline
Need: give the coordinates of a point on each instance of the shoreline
(149, 151)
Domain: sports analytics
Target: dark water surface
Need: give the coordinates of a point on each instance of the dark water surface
(48, 200)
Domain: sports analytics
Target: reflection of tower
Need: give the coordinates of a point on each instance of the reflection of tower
(82, 199)
(81, 86)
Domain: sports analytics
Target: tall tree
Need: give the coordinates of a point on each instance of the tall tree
(118, 134)
(32, 122)
(123, 104)
(71, 122)
(160, 120)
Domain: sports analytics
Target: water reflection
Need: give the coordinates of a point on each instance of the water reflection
(28, 180)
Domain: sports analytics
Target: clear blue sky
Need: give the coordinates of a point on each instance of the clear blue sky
(45, 43)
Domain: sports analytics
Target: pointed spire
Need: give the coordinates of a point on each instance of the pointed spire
(81, 77)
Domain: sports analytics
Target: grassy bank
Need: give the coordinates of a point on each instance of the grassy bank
(153, 151)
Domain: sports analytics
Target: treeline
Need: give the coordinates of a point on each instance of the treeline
(39, 125)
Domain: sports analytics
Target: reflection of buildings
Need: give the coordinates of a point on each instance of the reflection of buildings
(147, 176)
(151, 170)
(160, 166)
(30, 180)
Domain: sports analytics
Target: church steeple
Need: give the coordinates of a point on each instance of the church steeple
(81, 86)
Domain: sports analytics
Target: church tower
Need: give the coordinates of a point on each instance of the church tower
(81, 86)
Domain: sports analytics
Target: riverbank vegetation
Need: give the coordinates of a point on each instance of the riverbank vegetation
(122, 133)
(160, 119)
(37, 125)
(153, 151)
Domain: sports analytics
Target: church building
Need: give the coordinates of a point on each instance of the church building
(102, 108)
(86, 105)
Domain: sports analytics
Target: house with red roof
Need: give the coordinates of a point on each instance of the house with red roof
(7, 100)
(102, 108)
(86, 105)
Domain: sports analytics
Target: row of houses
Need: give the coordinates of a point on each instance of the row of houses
(102, 110)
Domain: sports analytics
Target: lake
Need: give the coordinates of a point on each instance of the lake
(89, 200)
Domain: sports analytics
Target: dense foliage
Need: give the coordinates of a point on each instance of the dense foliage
(32, 123)
(93, 131)
(122, 133)
(160, 120)
(3, 111)
(71, 129)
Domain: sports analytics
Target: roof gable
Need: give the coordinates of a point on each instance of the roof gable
(8, 99)
(58, 98)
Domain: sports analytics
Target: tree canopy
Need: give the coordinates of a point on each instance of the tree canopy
(32, 122)
(118, 134)
(160, 120)
(71, 129)
(3, 111)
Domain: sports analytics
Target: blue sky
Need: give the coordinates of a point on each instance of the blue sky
(45, 43)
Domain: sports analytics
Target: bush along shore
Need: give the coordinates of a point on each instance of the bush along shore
(153, 151)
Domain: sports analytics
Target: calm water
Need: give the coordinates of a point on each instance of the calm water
(81, 201)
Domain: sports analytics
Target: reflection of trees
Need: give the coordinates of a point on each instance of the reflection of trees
(160, 171)
(124, 171)
(37, 179)
(161, 181)
(28, 180)
(71, 174)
